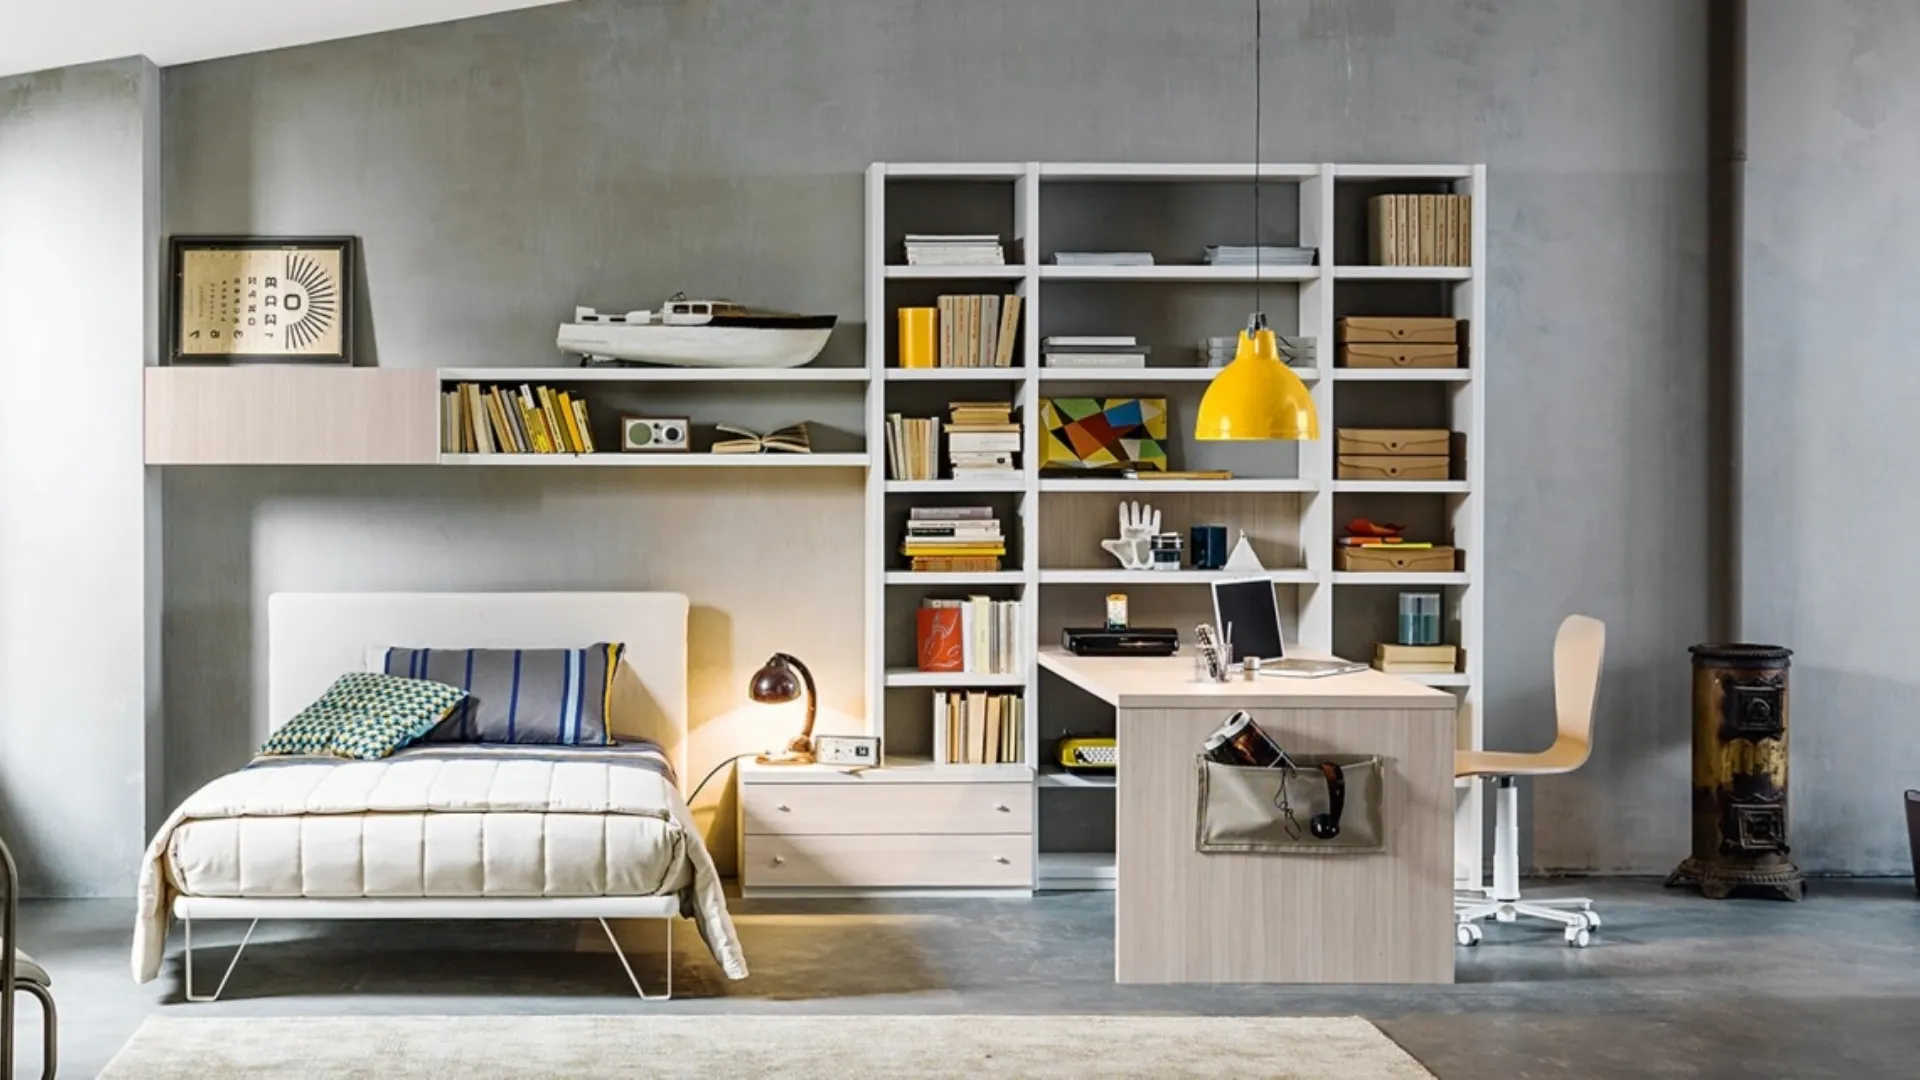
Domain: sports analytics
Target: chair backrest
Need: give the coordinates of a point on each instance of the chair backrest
(1578, 650)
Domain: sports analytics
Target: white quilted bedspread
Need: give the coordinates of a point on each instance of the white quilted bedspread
(454, 827)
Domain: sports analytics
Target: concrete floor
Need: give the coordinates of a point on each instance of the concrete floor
(1677, 986)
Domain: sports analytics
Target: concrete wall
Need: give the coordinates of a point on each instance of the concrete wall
(501, 170)
(1830, 389)
(79, 214)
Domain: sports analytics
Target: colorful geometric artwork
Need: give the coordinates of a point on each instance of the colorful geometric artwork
(1103, 433)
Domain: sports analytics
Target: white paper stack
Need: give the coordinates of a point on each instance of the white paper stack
(1103, 258)
(1266, 255)
(975, 249)
(1094, 351)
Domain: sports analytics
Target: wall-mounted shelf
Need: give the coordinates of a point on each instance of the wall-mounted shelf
(956, 273)
(1148, 375)
(1142, 488)
(955, 374)
(1376, 577)
(970, 486)
(1440, 375)
(663, 461)
(916, 577)
(1402, 487)
(1171, 577)
(1403, 273)
(1179, 272)
(557, 374)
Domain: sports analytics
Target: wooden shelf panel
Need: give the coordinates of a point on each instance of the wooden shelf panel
(282, 414)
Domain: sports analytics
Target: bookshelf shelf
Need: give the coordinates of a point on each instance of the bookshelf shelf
(1139, 488)
(1370, 577)
(538, 375)
(1040, 208)
(956, 273)
(1179, 272)
(1440, 375)
(1170, 577)
(898, 677)
(956, 374)
(1403, 273)
(617, 460)
(1055, 777)
(920, 577)
(1014, 482)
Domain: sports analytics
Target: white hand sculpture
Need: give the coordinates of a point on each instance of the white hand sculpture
(1138, 524)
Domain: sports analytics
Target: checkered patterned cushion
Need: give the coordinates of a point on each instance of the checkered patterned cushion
(366, 716)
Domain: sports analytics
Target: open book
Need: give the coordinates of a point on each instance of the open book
(737, 440)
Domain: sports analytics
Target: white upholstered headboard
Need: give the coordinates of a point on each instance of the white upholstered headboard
(314, 638)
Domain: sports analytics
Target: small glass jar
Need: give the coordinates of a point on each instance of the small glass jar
(1167, 551)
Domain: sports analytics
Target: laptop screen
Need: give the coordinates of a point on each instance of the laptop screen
(1246, 610)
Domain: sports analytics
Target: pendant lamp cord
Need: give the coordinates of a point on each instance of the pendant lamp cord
(1259, 40)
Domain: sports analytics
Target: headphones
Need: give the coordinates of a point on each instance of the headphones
(1327, 826)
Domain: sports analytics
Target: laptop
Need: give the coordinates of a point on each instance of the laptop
(1247, 611)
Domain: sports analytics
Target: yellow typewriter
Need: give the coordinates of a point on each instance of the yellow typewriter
(1094, 754)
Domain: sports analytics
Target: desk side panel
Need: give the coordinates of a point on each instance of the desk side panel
(1184, 917)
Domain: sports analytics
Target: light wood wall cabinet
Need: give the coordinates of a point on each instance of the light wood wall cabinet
(292, 416)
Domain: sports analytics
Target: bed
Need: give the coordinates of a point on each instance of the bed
(451, 831)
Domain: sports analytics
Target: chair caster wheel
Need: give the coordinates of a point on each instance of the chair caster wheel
(1579, 937)
(1466, 934)
(1593, 920)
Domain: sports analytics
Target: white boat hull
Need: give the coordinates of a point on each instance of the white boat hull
(695, 346)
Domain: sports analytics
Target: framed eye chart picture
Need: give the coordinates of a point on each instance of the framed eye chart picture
(240, 299)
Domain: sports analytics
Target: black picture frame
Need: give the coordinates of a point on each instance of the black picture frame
(173, 348)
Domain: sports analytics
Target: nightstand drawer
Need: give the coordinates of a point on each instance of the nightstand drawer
(873, 808)
(888, 862)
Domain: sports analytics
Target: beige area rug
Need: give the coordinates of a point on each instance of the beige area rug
(839, 1048)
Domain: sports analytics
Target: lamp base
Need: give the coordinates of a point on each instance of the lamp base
(785, 757)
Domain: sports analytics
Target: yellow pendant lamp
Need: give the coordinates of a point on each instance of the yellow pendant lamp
(1257, 396)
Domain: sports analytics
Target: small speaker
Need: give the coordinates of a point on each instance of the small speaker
(653, 433)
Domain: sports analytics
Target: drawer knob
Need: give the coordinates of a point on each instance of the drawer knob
(784, 808)
(779, 860)
(1002, 859)
(1003, 808)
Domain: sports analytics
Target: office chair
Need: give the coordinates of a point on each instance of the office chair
(1578, 649)
(19, 972)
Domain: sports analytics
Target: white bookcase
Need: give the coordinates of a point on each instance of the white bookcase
(1285, 495)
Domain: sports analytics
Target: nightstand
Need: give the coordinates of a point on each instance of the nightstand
(810, 830)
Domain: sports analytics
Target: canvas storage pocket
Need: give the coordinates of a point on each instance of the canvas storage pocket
(1266, 811)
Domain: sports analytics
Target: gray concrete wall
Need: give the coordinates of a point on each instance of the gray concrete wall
(1830, 389)
(79, 189)
(501, 170)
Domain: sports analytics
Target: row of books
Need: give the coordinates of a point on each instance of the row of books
(953, 540)
(1094, 351)
(913, 447)
(478, 419)
(978, 727)
(1415, 659)
(978, 635)
(955, 249)
(977, 330)
(1420, 230)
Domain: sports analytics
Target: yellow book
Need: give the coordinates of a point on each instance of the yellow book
(571, 422)
(918, 334)
(502, 429)
(586, 423)
(555, 427)
(535, 421)
(1009, 330)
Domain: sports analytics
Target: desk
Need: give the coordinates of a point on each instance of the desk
(1184, 917)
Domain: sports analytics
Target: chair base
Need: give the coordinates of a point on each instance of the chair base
(1575, 914)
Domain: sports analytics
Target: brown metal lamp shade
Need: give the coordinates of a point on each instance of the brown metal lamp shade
(782, 679)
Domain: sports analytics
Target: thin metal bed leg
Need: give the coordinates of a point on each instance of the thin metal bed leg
(635, 979)
(231, 964)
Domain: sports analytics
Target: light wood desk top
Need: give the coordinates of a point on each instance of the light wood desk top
(1129, 682)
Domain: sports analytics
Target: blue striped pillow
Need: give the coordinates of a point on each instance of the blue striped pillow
(544, 697)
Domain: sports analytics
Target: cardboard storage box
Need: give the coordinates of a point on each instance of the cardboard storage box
(1408, 329)
(1388, 560)
(1398, 355)
(1415, 442)
(1392, 467)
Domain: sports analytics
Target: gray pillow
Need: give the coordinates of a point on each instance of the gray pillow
(546, 697)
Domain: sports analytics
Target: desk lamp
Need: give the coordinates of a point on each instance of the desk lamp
(780, 680)
(1257, 396)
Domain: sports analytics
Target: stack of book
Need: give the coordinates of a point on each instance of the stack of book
(1094, 351)
(982, 438)
(978, 635)
(976, 727)
(1420, 230)
(1265, 255)
(913, 447)
(501, 420)
(1103, 258)
(978, 330)
(953, 540)
(961, 249)
(1415, 659)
